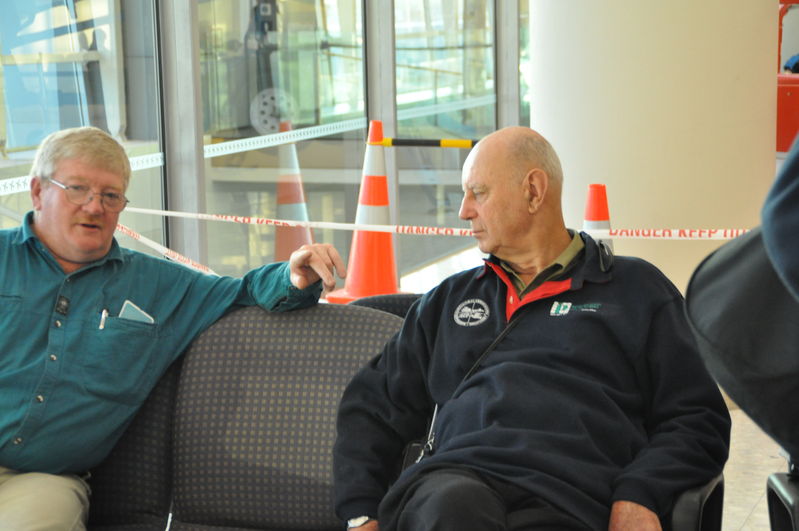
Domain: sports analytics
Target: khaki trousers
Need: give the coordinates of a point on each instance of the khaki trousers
(34, 501)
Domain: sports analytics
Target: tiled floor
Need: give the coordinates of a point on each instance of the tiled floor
(753, 456)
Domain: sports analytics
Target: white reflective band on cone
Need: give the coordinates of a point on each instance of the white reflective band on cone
(371, 215)
(288, 160)
(374, 161)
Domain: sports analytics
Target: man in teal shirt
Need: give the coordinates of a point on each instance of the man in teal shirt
(87, 327)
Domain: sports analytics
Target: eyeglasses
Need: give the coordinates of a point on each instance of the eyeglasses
(79, 194)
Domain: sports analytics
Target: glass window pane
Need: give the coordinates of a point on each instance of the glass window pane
(445, 68)
(445, 89)
(524, 62)
(69, 63)
(268, 66)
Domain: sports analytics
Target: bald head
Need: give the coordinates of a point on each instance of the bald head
(512, 183)
(518, 150)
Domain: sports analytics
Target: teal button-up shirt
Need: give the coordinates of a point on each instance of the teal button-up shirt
(71, 379)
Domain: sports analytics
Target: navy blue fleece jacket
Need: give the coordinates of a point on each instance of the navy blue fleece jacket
(596, 395)
(781, 222)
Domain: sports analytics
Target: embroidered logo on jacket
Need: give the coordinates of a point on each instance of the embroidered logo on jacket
(471, 313)
(562, 308)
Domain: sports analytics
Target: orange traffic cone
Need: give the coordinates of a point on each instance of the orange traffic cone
(290, 202)
(597, 216)
(371, 269)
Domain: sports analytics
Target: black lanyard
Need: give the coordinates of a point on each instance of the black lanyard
(427, 449)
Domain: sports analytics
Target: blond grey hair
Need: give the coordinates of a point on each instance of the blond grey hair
(88, 144)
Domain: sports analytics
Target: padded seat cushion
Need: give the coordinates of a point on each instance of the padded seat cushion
(256, 409)
(131, 489)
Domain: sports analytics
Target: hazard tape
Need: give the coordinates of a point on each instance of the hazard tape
(252, 220)
(169, 253)
(616, 234)
(21, 184)
(658, 234)
(667, 234)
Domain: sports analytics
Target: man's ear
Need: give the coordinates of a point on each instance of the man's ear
(536, 184)
(36, 193)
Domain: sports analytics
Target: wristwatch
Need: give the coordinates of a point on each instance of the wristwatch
(357, 521)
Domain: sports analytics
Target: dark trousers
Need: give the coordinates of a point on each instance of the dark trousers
(458, 499)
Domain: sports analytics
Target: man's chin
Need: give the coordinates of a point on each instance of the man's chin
(89, 254)
(484, 248)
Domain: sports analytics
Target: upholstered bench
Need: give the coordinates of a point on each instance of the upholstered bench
(239, 432)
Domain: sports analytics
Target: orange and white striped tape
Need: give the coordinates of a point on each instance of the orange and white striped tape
(616, 234)
(252, 220)
(21, 184)
(169, 253)
(668, 234)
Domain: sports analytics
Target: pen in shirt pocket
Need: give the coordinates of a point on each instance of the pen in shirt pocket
(103, 316)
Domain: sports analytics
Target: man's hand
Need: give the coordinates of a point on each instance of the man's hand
(630, 516)
(317, 261)
(371, 525)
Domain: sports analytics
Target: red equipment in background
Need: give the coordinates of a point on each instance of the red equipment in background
(787, 110)
(787, 93)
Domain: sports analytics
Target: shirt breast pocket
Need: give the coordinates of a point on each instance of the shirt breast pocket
(10, 306)
(117, 363)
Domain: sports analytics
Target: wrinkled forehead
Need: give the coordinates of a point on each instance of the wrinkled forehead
(484, 167)
(90, 173)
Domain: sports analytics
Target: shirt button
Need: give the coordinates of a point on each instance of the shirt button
(58, 324)
(53, 357)
(39, 398)
(511, 299)
(18, 440)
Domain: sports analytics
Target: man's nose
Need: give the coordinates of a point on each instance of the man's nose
(95, 204)
(466, 211)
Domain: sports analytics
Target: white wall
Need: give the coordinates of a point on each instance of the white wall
(670, 104)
